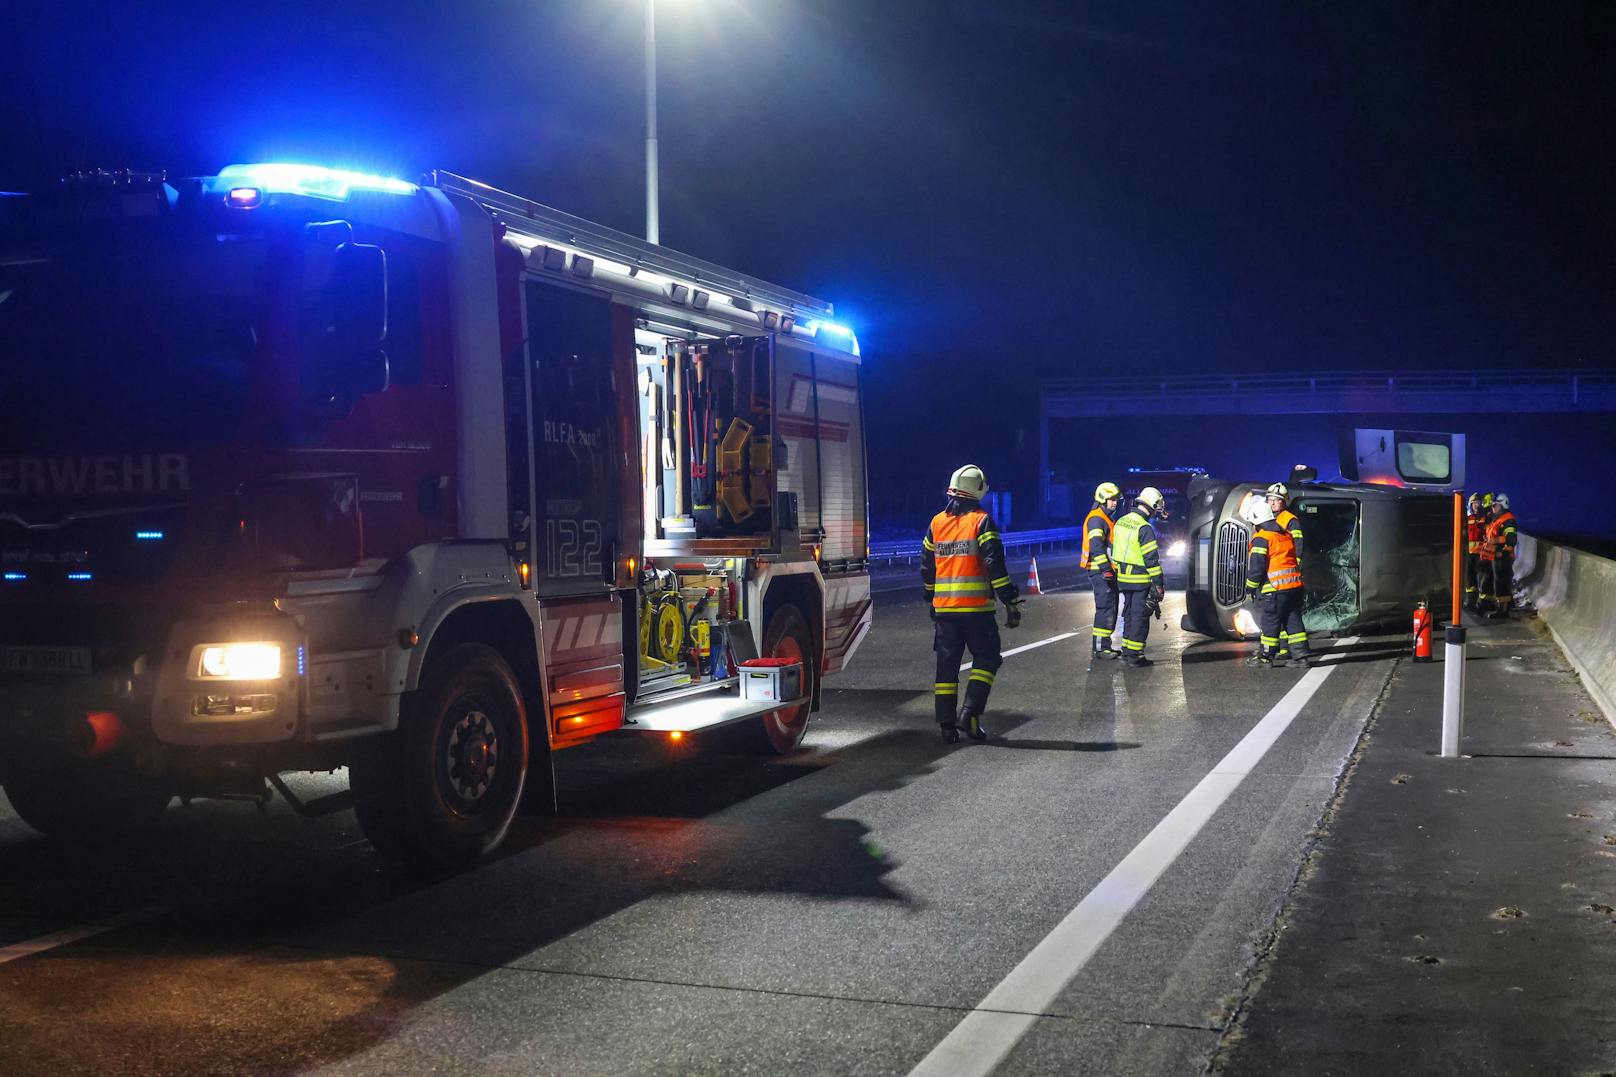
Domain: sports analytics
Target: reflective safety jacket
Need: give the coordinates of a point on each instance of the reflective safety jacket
(1499, 538)
(1475, 527)
(962, 563)
(1097, 528)
(1272, 564)
(1289, 521)
(1133, 553)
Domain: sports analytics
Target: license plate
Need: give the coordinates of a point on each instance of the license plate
(73, 661)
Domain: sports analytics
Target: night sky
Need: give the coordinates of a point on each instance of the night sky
(988, 191)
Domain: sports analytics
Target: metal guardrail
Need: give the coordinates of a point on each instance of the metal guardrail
(1337, 381)
(907, 550)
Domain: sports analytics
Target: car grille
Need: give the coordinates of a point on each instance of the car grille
(1229, 583)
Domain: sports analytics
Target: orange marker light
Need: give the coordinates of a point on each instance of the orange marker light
(676, 735)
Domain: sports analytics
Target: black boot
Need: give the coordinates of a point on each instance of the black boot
(1135, 659)
(973, 726)
(951, 734)
(1101, 648)
(1301, 659)
(1263, 658)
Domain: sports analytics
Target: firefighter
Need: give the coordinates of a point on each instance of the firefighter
(1500, 536)
(1484, 559)
(1274, 578)
(1139, 573)
(1279, 497)
(1474, 526)
(1097, 528)
(962, 569)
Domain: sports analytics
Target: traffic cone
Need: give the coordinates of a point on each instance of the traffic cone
(1032, 579)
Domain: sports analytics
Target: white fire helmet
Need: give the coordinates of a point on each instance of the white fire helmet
(1502, 501)
(1279, 490)
(1257, 512)
(1151, 498)
(968, 482)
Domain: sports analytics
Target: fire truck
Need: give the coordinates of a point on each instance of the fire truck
(304, 469)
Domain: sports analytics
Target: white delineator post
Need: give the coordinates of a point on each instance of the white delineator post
(1453, 656)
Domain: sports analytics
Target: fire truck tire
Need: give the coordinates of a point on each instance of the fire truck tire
(441, 792)
(77, 801)
(787, 635)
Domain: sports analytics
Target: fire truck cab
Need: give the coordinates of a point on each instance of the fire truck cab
(303, 468)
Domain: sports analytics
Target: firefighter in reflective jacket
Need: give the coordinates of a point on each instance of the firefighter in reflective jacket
(1500, 538)
(1139, 573)
(1096, 559)
(962, 568)
(1475, 524)
(1274, 578)
(1279, 503)
(1484, 559)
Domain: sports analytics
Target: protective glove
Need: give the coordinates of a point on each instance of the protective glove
(1158, 591)
(1110, 574)
(1012, 613)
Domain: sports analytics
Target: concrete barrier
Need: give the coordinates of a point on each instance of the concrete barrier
(1575, 595)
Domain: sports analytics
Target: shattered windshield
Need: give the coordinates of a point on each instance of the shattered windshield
(137, 334)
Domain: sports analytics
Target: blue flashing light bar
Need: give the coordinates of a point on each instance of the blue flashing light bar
(312, 180)
(80, 576)
(302, 660)
(815, 326)
(16, 577)
(149, 536)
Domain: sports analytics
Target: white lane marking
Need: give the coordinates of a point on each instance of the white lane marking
(1027, 647)
(38, 945)
(988, 1033)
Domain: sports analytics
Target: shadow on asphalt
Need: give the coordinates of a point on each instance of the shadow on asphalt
(287, 945)
(1065, 745)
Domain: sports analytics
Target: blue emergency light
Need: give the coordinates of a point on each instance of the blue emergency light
(312, 180)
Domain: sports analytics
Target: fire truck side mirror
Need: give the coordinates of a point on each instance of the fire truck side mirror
(359, 291)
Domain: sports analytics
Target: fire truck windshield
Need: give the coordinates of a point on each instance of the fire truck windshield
(135, 335)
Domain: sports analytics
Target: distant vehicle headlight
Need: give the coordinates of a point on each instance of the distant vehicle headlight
(1245, 624)
(240, 662)
(1176, 549)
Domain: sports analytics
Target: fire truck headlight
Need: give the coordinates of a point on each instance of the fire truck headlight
(239, 662)
(1176, 549)
(1245, 624)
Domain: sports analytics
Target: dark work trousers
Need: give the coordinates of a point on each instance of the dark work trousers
(956, 632)
(1503, 582)
(1282, 621)
(1135, 621)
(1105, 605)
(1472, 578)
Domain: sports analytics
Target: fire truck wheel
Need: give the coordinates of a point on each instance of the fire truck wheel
(442, 791)
(779, 732)
(78, 801)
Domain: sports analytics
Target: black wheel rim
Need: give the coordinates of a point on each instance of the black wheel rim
(469, 758)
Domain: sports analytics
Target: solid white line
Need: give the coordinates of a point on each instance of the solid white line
(39, 945)
(1027, 647)
(989, 1032)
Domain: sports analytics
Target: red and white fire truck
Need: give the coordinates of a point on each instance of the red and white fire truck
(302, 468)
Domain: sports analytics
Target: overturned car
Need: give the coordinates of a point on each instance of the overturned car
(1370, 552)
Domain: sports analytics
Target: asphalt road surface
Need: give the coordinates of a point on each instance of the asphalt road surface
(1086, 893)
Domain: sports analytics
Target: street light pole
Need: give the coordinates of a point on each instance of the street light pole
(652, 230)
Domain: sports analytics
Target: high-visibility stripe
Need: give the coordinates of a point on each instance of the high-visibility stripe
(984, 536)
(966, 587)
(1002, 581)
(1268, 641)
(1098, 631)
(930, 587)
(1132, 645)
(927, 543)
(945, 690)
(981, 675)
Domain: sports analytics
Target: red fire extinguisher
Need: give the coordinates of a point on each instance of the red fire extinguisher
(1422, 633)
